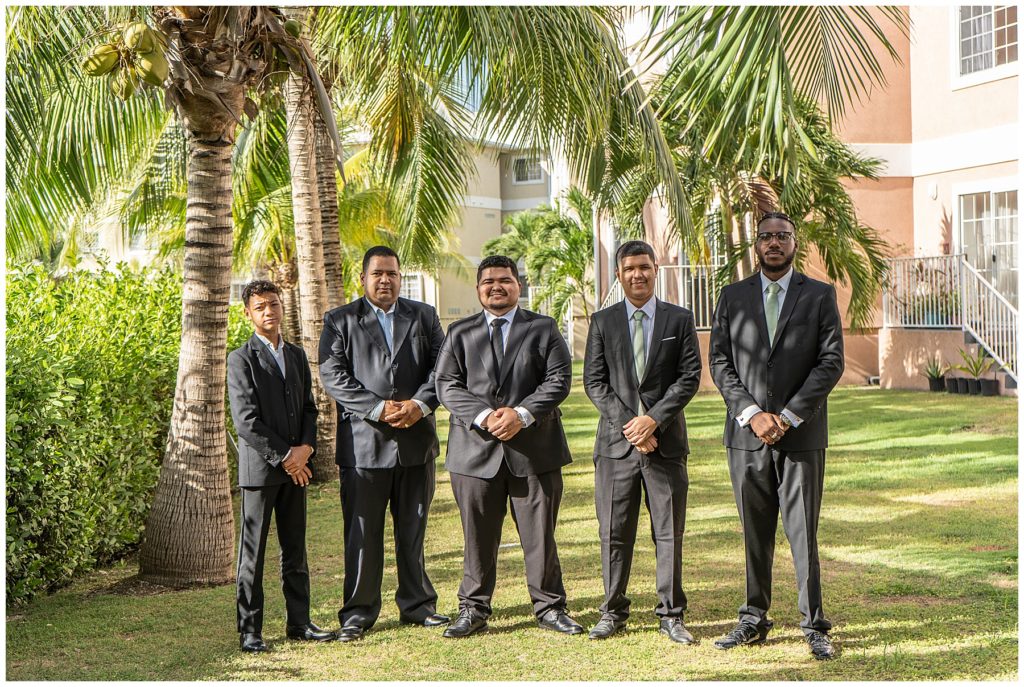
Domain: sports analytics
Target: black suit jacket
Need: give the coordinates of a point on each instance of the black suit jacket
(536, 374)
(671, 377)
(271, 413)
(359, 372)
(797, 372)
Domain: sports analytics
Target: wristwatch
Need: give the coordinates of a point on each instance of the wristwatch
(785, 421)
(522, 417)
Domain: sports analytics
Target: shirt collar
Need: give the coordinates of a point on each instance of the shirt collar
(508, 317)
(377, 309)
(275, 350)
(649, 307)
(783, 281)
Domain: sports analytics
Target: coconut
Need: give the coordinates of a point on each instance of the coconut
(123, 83)
(100, 60)
(153, 68)
(293, 27)
(140, 38)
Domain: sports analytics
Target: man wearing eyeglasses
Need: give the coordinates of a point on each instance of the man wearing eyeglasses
(776, 351)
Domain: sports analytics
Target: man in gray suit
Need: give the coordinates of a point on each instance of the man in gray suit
(641, 369)
(270, 392)
(502, 374)
(377, 361)
(776, 353)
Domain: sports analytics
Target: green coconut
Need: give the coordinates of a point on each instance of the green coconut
(293, 27)
(123, 83)
(153, 68)
(100, 60)
(140, 38)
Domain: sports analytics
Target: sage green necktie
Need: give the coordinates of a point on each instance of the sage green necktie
(771, 310)
(639, 359)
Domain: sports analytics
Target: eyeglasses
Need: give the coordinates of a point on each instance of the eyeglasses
(782, 236)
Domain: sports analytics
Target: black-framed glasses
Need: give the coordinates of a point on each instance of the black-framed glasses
(782, 236)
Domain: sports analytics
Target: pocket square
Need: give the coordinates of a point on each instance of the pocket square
(668, 338)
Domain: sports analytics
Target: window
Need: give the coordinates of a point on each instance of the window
(988, 237)
(412, 287)
(988, 37)
(526, 171)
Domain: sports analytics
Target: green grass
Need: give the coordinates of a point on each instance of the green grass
(919, 562)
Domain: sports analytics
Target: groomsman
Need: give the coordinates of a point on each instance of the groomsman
(270, 392)
(642, 367)
(377, 361)
(502, 374)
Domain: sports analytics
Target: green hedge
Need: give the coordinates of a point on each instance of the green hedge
(91, 367)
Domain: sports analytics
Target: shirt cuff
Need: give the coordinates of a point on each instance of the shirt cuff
(748, 414)
(527, 414)
(479, 419)
(795, 419)
(375, 413)
(424, 408)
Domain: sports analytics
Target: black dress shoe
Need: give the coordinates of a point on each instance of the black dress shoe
(558, 621)
(465, 625)
(744, 633)
(308, 633)
(350, 633)
(432, 620)
(252, 642)
(821, 646)
(676, 631)
(606, 627)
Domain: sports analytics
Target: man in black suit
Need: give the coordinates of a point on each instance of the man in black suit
(377, 358)
(776, 353)
(502, 374)
(271, 396)
(641, 369)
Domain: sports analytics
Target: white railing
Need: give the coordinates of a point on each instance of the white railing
(989, 318)
(690, 287)
(923, 293)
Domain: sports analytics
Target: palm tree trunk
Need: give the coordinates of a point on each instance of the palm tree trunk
(327, 185)
(190, 530)
(310, 254)
(285, 275)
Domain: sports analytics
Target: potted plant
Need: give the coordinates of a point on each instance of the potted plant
(974, 365)
(951, 384)
(990, 387)
(935, 372)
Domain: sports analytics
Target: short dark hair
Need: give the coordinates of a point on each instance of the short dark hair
(258, 287)
(631, 248)
(776, 215)
(379, 252)
(496, 261)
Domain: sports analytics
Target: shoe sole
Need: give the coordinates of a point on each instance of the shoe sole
(753, 642)
(482, 629)
(561, 632)
(687, 643)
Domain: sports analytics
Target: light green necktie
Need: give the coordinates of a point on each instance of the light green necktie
(639, 359)
(771, 310)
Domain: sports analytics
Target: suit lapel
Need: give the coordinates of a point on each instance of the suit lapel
(480, 340)
(756, 302)
(625, 342)
(796, 284)
(661, 314)
(521, 324)
(371, 325)
(403, 321)
(265, 357)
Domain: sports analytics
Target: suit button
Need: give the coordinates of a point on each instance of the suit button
(770, 363)
(291, 414)
(769, 393)
(394, 367)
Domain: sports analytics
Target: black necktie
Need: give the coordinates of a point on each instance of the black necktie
(497, 343)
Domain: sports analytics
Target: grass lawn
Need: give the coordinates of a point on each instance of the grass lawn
(919, 563)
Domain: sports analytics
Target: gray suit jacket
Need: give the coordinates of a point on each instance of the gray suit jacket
(671, 377)
(271, 413)
(797, 372)
(536, 375)
(359, 372)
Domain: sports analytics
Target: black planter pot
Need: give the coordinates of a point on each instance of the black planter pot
(951, 386)
(961, 385)
(974, 387)
(936, 384)
(989, 387)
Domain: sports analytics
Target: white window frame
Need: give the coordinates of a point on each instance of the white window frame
(960, 81)
(990, 186)
(528, 181)
(410, 278)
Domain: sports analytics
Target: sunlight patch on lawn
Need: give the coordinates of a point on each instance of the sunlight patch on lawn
(956, 497)
(859, 513)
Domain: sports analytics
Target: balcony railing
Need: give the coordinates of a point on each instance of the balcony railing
(923, 293)
(690, 287)
(989, 318)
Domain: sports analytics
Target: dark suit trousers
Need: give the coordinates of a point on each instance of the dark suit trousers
(617, 496)
(482, 504)
(764, 482)
(365, 496)
(288, 503)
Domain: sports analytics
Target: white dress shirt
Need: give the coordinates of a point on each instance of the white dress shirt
(506, 332)
(750, 411)
(390, 336)
(278, 352)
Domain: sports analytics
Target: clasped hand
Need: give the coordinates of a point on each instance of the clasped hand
(296, 464)
(640, 432)
(503, 423)
(768, 427)
(401, 414)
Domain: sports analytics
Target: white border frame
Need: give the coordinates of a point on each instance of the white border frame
(531, 182)
(993, 185)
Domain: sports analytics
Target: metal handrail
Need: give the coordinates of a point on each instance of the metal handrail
(691, 287)
(990, 318)
(923, 292)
